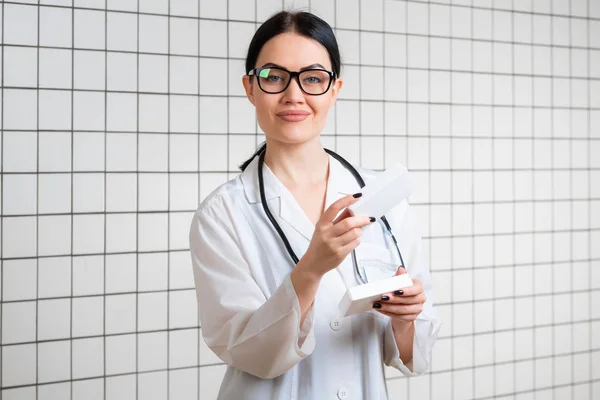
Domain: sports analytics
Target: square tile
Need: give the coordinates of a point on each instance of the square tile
(20, 22)
(155, 7)
(54, 193)
(209, 69)
(120, 233)
(121, 152)
(242, 116)
(152, 350)
(183, 36)
(89, 111)
(213, 36)
(19, 237)
(55, 27)
(152, 311)
(152, 385)
(88, 389)
(183, 312)
(88, 316)
(54, 391)
(183, 192)
(127, 5)
(19, 365)
(54, 319)
(19, 280)
(153, 192)
(152, 232)
(121, 71)
(154, 73)
(88, 275)
(54, 110)
(153, 152)
(89, 70)
(54, 151)
(89, 26)
(153, 34)
(121, 31)
(20, 67)
(54, 235)
(121, 274)
(121, 387)
(183, 116)
(54, 277)
(121, 112)
(153, 272)
(184, 8)
(88, 151)
(120, 354)
(88, 193)
(153, 111)
(20, 109)
(183, 348)
(19, 151)
(121, 192)
(18, 322)
(87, 357)
(19, 194)
(183, 78)
(210, 9)
(54, 361)
(183, 384)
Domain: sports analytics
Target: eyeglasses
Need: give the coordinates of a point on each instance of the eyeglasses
(275, 80)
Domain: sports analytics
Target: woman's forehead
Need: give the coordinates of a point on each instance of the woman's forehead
(294, 52)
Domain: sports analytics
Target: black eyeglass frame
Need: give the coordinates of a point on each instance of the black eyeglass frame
(293, 74)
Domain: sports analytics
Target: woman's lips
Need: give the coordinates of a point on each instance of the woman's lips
(293, 116)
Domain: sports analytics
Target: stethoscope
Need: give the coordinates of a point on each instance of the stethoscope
(361, 182)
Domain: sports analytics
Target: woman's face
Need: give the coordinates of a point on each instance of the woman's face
(292, 52)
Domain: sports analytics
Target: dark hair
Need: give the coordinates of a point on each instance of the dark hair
(302, 23)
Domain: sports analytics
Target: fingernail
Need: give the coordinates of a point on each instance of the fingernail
(399, 292)
(357, 195)
(376, 305)
(385, 298)
(372, 219)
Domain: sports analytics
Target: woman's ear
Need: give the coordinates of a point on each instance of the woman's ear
(248, 87)
(336, 86)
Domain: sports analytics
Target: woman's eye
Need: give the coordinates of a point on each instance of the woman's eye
(312, 79)
(274, 78)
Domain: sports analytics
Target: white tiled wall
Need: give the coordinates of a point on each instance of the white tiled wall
(119, 116)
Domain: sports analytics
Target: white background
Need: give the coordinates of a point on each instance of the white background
(119, 116)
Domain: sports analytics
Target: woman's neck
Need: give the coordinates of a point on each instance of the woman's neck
(298, 165)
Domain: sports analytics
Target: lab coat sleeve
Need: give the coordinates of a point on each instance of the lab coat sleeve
(261, 336)
(427, 324)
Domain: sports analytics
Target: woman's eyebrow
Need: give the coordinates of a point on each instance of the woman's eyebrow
(270, 64)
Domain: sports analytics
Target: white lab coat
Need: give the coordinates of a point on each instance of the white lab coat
(249, 311)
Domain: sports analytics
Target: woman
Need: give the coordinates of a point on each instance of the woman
(273, 316)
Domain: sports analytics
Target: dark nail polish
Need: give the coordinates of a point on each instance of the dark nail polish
(372, 219)
(385, 298)
(357, 195)
(376, 305)
(399, 292)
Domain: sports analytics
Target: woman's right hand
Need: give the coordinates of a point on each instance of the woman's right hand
(334, 238)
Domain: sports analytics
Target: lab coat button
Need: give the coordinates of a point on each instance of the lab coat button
(336, 324)
(342, 393)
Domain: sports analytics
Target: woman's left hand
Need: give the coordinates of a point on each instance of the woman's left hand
(403, 305)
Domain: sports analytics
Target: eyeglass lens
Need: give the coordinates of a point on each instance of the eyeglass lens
(273, 80)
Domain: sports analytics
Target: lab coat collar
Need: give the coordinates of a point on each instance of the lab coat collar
(341, 182)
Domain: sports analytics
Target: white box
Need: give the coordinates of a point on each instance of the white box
(360, 298)
(384, 192)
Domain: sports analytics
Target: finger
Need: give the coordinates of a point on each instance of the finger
(337, 206)
(348, 224)
(401, 309)
(408, 291)
(342, 216)
(347, 248)
(400, 271)
(392, 299)
(349, 236)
